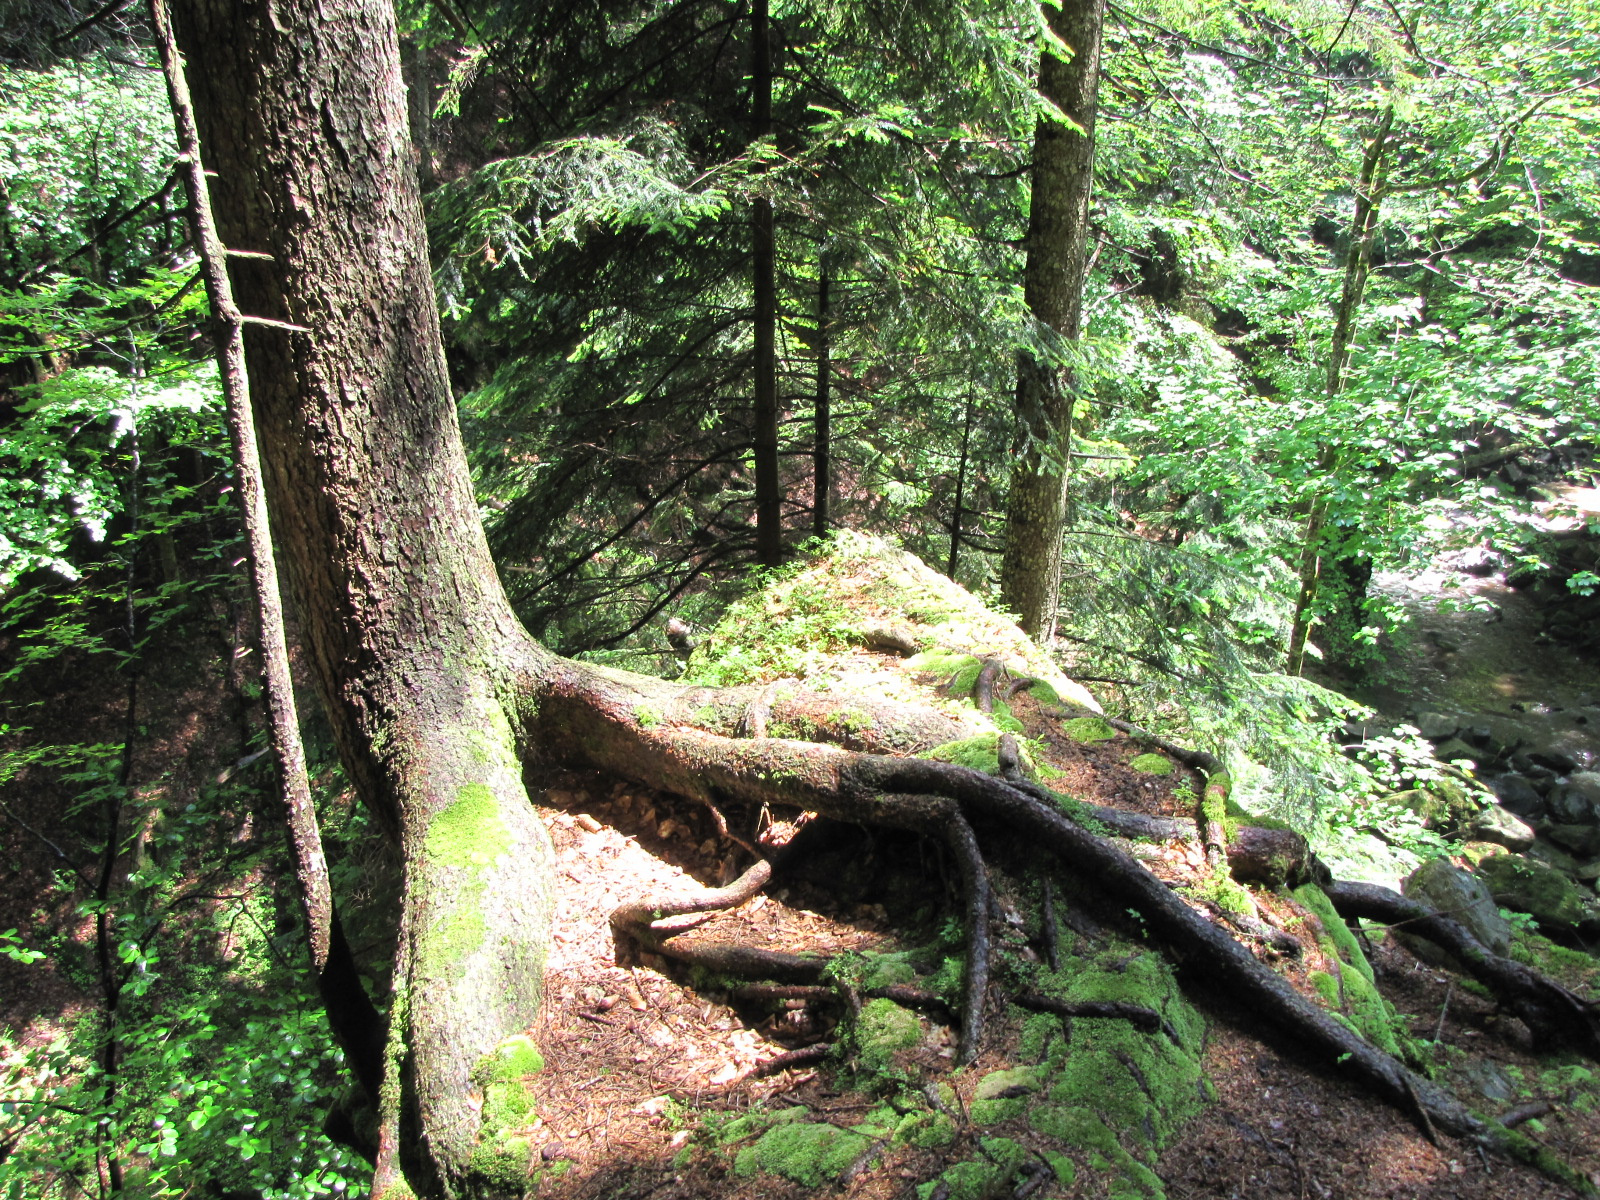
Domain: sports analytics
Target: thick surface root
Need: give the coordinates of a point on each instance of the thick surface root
(1555, 1016)
(948, 802)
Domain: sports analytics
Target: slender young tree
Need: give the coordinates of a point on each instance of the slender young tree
(764, 271)
(1058, 231)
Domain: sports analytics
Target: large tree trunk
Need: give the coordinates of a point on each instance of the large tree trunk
(417, 655)
(1058, 232)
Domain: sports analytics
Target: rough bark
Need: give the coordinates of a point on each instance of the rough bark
(351, 1014)
(302, 117)
(1058, 228)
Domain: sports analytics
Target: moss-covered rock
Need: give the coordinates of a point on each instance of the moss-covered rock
(1001, 1095)
(1525, 885)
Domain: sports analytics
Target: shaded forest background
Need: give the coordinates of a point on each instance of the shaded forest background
(592, 174)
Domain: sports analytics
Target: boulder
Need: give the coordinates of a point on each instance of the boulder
(1518, 794)
(1455, 748)
(1573, 803)
(1499, 737)
(1437, 727)
(1523, 885)
(1582, 840)
(1588, 783)
(1502, 827)
(1459, 895)
(1556, 758)
(1435, 813)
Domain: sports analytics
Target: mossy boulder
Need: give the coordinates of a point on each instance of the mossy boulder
(1448, 889)
(1524, 885)
(1001, 1095)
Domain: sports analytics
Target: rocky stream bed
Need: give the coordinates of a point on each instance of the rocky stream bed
(1500, 676)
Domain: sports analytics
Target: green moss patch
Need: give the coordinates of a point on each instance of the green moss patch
(981, 753)
(882, 1028)
(1001, 1095)
(956, 672)
(1113, 1096)
(1088, 729)
(1352, 995)
(812, 1155)
(465, 837)
(983, 1177)
(1152, 764)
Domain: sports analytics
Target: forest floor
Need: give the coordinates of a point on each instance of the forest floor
(639, 1057)
(653, 1086)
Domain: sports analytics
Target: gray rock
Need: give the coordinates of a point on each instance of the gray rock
(1456, 748)
(1587, 782)
(1501, 736)
(1463, 897)
(1554, 758)
(1518, 793)
(1478, 561)
(1490, 1080)
(1502, 827)
(1582, 840)
(1436, 727)
(1570, 804)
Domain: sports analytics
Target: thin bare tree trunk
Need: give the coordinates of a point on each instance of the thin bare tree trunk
(763, 265)
(354, 1019)
(822, 433)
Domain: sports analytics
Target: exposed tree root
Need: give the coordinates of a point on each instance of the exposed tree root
(1137, 1015)
(1552, 1014)
(1052, 932)
(1274, 940)
(983, 687)
(975, 985)
(945, 801)
(802, 1057)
